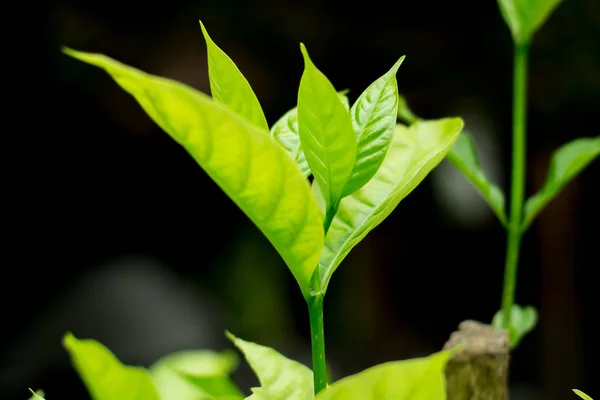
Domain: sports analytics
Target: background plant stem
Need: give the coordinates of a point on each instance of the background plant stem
(317, 339)
(517, 179)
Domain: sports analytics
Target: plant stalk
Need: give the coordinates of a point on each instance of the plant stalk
(317, 339)
(517, 179)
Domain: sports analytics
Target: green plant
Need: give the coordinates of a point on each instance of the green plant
(582, 395)
(524, 18)
(363, 164)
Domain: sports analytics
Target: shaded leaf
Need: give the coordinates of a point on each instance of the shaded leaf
(525, 17)
(326, 134)
(280, 378)
(464, 157)
(195, 375)
(374, 120)
(415, 379)
(522, 321)
(249, 166)
(405, 114)
(285, 131)
(565, 163)
(103, 374)
(229, 86)
(37, 395)
(581, 394)
(413, 153)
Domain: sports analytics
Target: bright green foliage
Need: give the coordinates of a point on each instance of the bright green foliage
(229, 86)
(464, 157)
(522, 321)
(104, 375)
(374, 119)
(412, 154)
(582, 395)
(196, 375)
(280, 378)
(415, 379)
(525, 17)
(326, 134)
(37, 395)
(248, 165)
(565, 163)
(285, 131)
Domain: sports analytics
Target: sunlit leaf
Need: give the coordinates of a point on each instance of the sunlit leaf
(104, 375)
(195, 375)
(374, 120)
(37, 395)
(326, 134)
(415, 379)
(285, 131)
(582, 395)
(464, 157)
(525, 17)
(229, 86)
(565, 163)
(522, 321)
(249, 166)
(280, 378)
(413, 153)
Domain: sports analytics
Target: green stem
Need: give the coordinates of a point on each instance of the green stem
(317, 339)
(517, 179)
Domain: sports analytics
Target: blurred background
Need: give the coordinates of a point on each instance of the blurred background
(117, 234)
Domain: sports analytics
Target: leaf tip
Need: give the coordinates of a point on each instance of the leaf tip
(304, 53)
(68, 340)
(230, 336)
(397, 64)
(204, 31)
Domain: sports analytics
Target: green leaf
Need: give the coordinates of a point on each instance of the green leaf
(415, 379)
(229, 86)
(413, 153)
(280, 378)
(405, 114)
(525, 17)
(565, 163)
(285, 131)
(37, 395)
(373, 117)
(249, 166)
(104, 375)
(464, 157)
(195, 375)
(582, 395)
(326, 134)
(522, 321)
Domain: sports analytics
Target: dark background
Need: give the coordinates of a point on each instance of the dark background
(116, 234)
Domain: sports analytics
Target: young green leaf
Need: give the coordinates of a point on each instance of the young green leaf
(195, 375)
(249, 166)
(280, 378)
(104, 375)
(326, 134)
(285, 131)
(522, 321)
(229, 86)
(415, 379)
(37, 395)
(464, 157)
(582, 395)
(374, 120)
(413, 153)
(566, 162)
(525, 17)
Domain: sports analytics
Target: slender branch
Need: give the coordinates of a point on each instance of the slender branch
(317, 339)
(517, 179)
